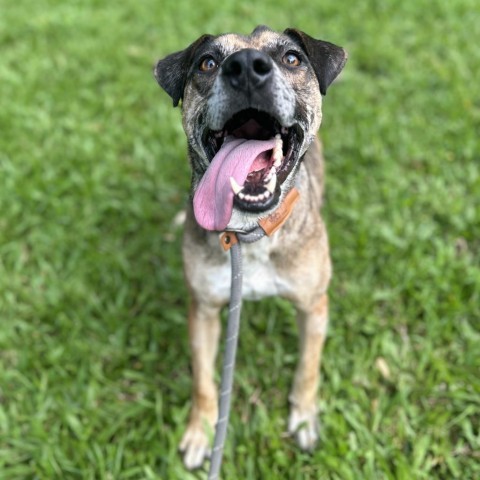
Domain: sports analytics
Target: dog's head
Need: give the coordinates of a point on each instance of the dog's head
(251, 107)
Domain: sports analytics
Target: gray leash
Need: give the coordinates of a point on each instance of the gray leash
(231, 342)
(231, 241)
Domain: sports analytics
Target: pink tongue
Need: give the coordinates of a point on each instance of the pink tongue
(213, 199)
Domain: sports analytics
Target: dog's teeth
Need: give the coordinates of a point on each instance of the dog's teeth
(235, 186)
(278, 143)
(270, 173)
(284, 130)
(270, 186)
(277, 152)
(255, 198)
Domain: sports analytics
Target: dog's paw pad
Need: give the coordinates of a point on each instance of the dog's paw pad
(304, 426)
(195, 447)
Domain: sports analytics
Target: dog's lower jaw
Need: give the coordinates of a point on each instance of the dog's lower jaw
(242, 221)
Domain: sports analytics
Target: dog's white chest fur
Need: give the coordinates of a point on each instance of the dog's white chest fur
(260, 277)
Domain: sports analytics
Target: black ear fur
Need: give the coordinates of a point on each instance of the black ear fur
(326, 58)
(171, 72)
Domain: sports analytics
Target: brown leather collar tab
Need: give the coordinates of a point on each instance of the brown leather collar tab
(268, 224)
(276, 219)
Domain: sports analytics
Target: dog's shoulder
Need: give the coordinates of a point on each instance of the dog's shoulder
(311, 180)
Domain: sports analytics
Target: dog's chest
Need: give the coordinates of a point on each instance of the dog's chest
(260, 276)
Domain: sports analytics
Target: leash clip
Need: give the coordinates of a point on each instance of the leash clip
(227, 240)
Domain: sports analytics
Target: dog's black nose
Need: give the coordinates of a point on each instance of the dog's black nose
(248, 68)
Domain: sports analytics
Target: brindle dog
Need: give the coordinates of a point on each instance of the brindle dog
(251, 109)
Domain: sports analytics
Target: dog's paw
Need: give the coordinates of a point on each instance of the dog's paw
(195, 447)
(303, 424)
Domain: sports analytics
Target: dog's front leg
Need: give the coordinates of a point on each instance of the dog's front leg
(204, 331)
(303, 421)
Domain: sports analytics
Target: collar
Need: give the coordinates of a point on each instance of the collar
(266, 226)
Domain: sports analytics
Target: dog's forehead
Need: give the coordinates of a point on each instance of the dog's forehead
(259, 39)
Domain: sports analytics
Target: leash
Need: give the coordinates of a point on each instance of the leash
(232, 241)
(231, 343)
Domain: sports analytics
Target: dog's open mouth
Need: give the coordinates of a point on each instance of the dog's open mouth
(250, 159)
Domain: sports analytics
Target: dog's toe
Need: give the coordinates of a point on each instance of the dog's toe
(195, 447)
(304, 426)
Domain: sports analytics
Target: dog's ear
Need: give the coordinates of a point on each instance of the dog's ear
(326, 58)
(171, 72)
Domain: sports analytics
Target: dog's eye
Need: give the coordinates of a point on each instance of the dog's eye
(291, 59)
(208, 64)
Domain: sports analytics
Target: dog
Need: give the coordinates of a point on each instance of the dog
(251, 108)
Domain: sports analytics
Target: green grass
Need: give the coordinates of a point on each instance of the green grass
(94, 365)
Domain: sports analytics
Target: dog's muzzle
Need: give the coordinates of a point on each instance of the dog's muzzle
(249, 78)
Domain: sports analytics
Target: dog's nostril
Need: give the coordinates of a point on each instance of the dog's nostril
(236, 68)
(261, 67)
(233, 68)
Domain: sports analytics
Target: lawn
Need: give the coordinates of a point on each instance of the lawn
(94, 362)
